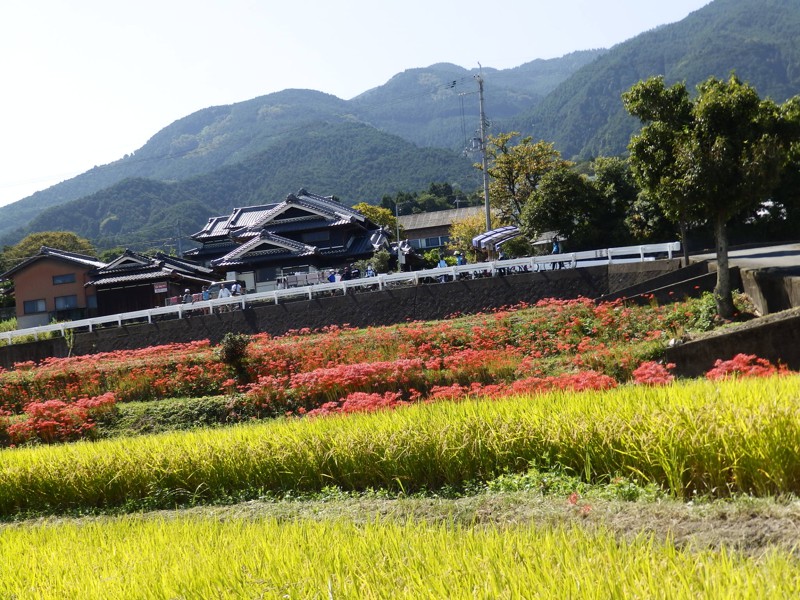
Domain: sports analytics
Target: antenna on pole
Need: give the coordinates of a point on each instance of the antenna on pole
(484, 166)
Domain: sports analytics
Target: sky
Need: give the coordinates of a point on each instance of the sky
(85, 82)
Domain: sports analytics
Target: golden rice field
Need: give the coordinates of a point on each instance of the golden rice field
(696, 437)
(692, 438)
(206, 557)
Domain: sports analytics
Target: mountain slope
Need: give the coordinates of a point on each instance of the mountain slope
(413, 105)
(354, 162)
(438, 105)
(757, 39)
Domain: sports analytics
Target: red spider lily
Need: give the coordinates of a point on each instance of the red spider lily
(743, 365)
(653, 373)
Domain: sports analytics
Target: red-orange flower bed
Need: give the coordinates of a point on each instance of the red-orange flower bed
(556, 344)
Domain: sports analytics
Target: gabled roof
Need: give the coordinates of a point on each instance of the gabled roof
(134, 261)
(305, 205)
(81, 260)
(296, 207)
(127, 260)
(264, 244)
(439, 218)
(131, 266)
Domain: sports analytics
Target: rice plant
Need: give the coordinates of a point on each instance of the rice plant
(702, 437)
(194, 556)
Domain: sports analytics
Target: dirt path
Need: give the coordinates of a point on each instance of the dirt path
(750, 526)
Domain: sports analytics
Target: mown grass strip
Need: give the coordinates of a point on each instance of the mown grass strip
(696, 437)
(206, 557)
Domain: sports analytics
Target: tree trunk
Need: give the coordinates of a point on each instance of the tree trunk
(722, 293)
(684, 231)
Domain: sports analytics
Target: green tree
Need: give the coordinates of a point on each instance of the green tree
(377, 214)
(516, 171)
(590, 212)
(30, 246)
(562, 204)
(462, 233)
(617, 193)
(708, 158)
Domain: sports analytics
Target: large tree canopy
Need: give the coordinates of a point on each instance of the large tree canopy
(708, 158)
(516, 171)
(30, 246)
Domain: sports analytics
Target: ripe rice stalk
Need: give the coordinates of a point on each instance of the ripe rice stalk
(700, 437)
(200, 556)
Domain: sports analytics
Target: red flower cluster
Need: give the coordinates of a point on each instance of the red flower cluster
(743, 365)
(359, 402)
(583, 380)
(653, 373)
(56, 420)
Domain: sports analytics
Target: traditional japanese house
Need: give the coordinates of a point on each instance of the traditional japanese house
(136, 281)
(305, 233)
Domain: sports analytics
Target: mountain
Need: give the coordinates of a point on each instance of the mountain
(220, 136)
(756, 39)
(438, 105)
(349, 160)
(260, 150)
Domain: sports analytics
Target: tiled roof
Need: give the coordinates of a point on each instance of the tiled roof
(240, 253)
(439, 218)
(261, 215)
(142, 277)
(55, 253)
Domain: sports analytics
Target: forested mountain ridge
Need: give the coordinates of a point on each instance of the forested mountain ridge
(221, 136)
(756, 39)
(261, 149)
(349, 160)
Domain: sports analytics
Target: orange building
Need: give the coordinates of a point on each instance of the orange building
(51, 286)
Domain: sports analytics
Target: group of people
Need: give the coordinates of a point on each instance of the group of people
(224, 292)
(350, 272)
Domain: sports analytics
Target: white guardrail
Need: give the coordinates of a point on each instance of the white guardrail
(379, 282)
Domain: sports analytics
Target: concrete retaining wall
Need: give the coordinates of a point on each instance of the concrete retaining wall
(772, 289)
(776, 338)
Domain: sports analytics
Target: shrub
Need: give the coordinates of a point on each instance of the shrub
(232, 351)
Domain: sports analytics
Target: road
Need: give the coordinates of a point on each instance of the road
(783, 256)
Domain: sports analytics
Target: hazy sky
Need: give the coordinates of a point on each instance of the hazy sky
(86, 81)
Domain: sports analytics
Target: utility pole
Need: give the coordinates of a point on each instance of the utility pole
(484, 166)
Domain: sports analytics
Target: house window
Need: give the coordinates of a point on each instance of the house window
(66, 302)
(31, 307)
(65, 278)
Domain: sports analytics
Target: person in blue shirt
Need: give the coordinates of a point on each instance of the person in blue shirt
(556, 250)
